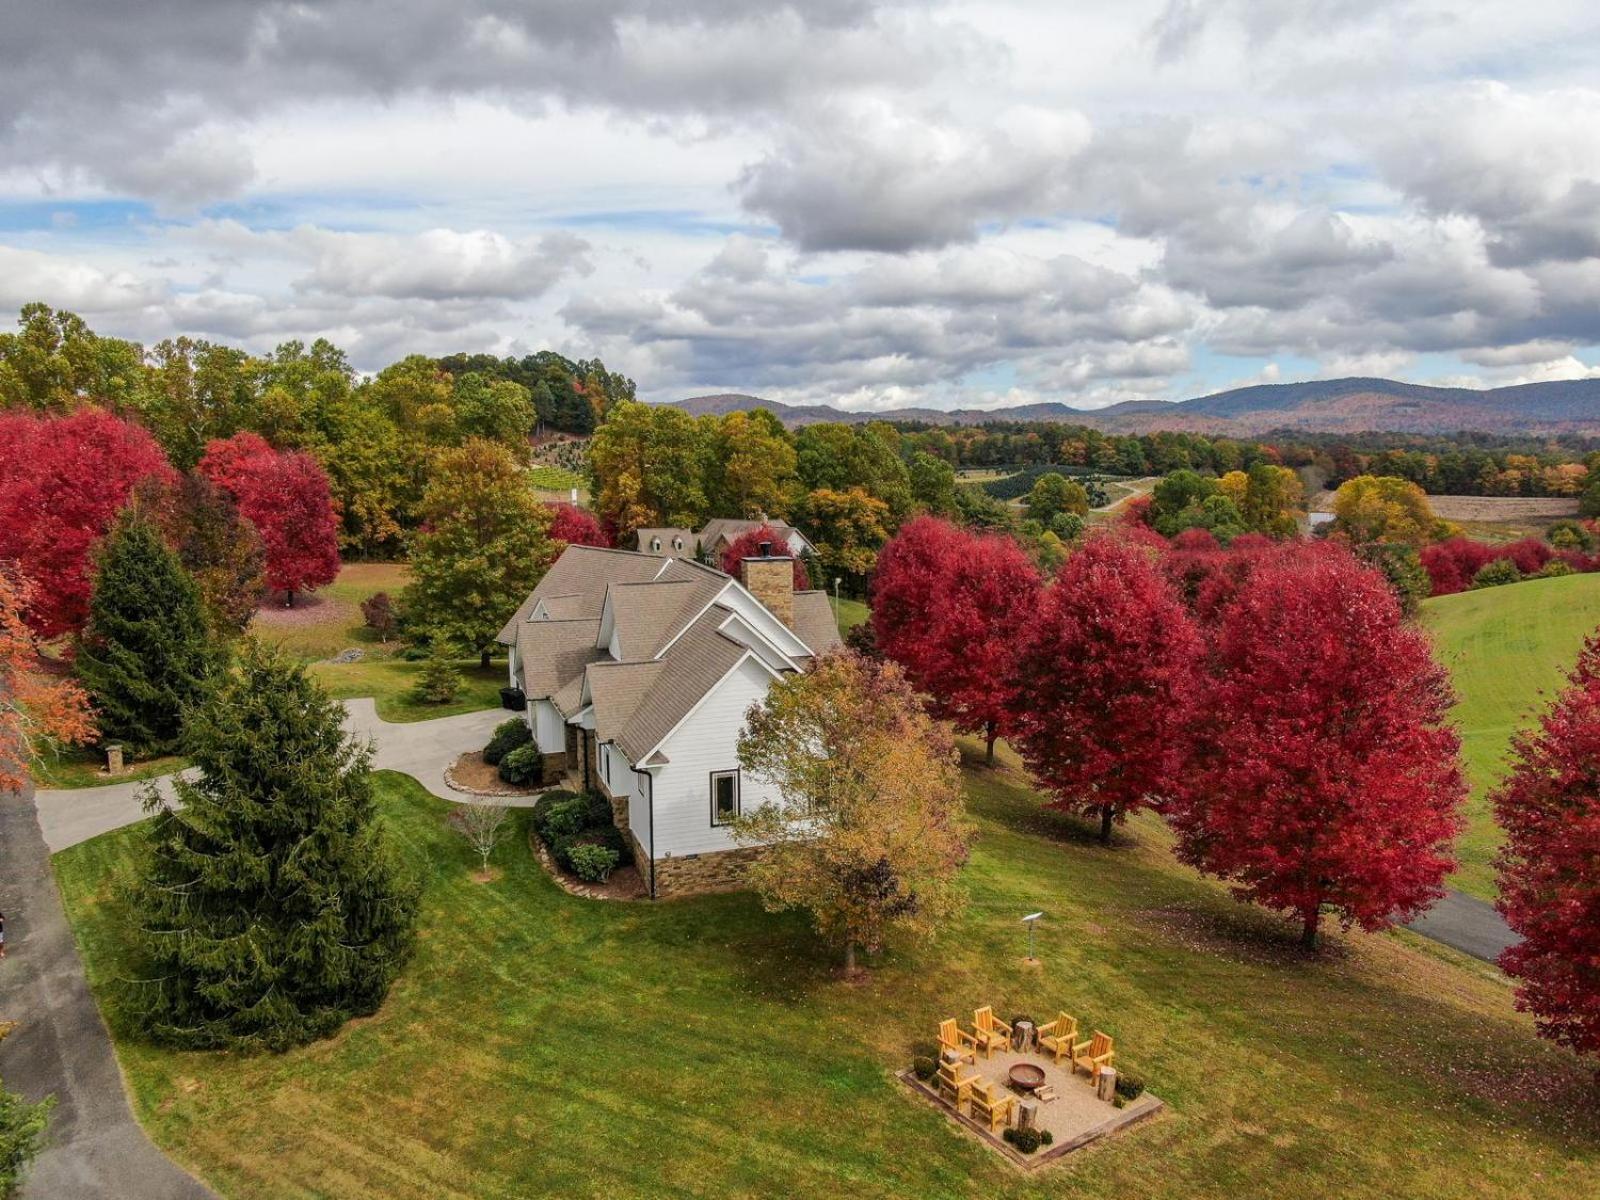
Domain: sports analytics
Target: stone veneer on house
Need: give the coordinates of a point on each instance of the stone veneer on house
(695, 874)
(771, 581)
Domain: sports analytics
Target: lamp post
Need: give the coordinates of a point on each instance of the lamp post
(1030, 921)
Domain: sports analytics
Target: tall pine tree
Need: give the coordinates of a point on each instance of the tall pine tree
(270, 909)
(146, 651)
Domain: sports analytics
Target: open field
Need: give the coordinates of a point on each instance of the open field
(320, 627)
(1508, 649)
(541, 1044)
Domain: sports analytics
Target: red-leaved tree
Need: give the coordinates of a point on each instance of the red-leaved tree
(37, 710)
(62, 481)
(1549, 807)
(1324, 775)
(1105, 683)
(748, 545)
(576, 527)
(285, 495)
(948, 605)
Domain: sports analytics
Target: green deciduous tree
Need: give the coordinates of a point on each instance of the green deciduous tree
(1054, 494)
(648, 467)
(484, 544)
(933, 484)
(496, 410)
(750, 466)
(871, 832)
(147, 650)
(268, 907)
(22, 1128)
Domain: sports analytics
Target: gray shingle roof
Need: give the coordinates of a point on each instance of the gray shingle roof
(732, 527)
(694, 665)
(813, 621)
(580, 576)
(552, 653)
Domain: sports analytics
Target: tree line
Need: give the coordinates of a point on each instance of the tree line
(375, 439)
(1272, 702)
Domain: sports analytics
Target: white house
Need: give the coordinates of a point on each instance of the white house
(637, 671)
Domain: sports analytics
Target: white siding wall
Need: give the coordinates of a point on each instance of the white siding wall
(548, 728)
(707, 742)
(639, 808)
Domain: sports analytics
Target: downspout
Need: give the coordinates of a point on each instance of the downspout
(650, 797)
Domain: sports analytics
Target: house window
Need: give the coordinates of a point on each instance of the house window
(605, 763)
(724, 796)
(655, 545)
(677, 543)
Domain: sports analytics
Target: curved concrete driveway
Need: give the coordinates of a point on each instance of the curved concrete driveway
(420, 749)
(94, 1149)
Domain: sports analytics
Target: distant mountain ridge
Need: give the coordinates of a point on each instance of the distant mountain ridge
(1314, 406)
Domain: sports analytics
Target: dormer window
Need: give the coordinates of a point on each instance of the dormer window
(677, 543)
(655, 545)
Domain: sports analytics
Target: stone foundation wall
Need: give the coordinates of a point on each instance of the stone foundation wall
(695, 874)
(619, 804)
(641, 860)
(555, 766)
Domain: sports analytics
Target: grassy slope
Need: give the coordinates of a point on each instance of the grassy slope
(334, 623)
(540, 1044)
(1509, 649)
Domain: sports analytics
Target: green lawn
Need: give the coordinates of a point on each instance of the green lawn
(544, 1045)
(80, 768)
(851, 613)
(554, 479)
(1508, 649)
(331, 622)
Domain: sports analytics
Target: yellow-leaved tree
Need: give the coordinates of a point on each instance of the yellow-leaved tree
(1383, 508)
(871, 833)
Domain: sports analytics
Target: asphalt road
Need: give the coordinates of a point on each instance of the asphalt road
(1468, 924)
(94, 1148)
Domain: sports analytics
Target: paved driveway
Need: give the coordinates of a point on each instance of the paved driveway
(420, 749)
(94, 1148)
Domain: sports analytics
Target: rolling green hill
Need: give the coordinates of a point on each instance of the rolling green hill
(1509, 649)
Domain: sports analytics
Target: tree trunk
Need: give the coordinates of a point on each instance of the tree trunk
(1106, 813)
(850, 958)
(288, 599)
(991, 731)
(1308, 934)
(484, 660)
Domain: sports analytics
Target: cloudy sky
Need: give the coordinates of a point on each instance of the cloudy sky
(867, 203)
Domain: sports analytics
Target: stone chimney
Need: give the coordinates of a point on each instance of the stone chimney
(770, 579)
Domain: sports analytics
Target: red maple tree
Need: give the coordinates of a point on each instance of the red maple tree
(1105, 683)
(1549, 807)
(577, 527)
(36, 709)
(63, 481)
(285, 495)
(948, 606)
(1323, 774)
(748, 545)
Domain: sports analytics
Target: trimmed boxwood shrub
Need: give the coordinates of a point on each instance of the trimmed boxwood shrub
(592, 862)
(508, 735)
(923, 1067)
(1495, 574)
(1025, 1140)
(1129, 1086)
(523, 767)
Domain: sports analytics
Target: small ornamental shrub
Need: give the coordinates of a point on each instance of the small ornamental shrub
(440, 681)
(568, 818)
(523, 766)
(924, 1067)
(1025, 1140)
(508, 735)
(1500, 571)
(543, 807)
(1118, 1102)
(1129, 1086)
(378, 611)
(592, 863)
(1046, 1137)
(1554, 569)
(1570, 535)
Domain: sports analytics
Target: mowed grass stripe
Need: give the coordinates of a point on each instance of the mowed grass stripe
(539, 1044)
(1508, 650)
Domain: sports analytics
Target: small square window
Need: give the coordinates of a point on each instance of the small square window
(724, 797)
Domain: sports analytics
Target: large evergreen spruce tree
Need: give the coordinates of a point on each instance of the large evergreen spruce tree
(268, 906)
(147, 650)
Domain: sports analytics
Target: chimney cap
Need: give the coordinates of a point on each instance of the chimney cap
(765, 550)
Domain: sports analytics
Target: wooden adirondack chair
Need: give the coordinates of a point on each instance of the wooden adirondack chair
(1059, 1037)
(991, 1106)
(954, 1083)
(953, 1037)
(1093, 1055)
(991, 1030)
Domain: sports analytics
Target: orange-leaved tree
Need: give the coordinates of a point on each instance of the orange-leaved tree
(36, 710)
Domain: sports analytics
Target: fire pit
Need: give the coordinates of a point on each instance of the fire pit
(1025, 1077)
